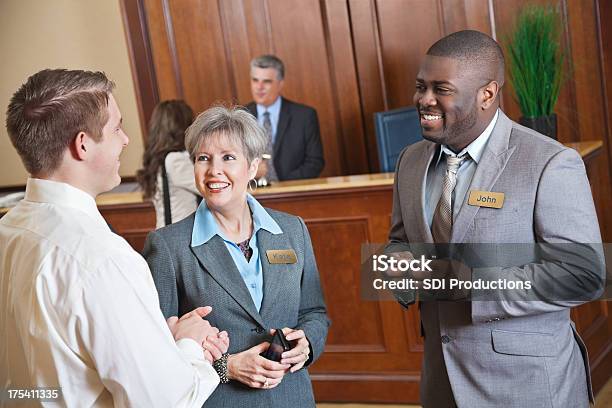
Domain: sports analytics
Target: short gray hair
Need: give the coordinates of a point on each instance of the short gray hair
(233, 122)
(270, 61)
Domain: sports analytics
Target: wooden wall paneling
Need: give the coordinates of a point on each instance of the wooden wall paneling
(466, 14)
(299, 40)
(364, 26)
(345, 88)
(244, 31)
(167, 84)
(141, 59)
(405, 36)
(605, 50)
(588, 105)
(588, 48)
(258, 27)
(259, 40)
(199, 42)
(590, 102)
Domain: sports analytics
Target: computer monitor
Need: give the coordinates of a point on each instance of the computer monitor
(395, 129)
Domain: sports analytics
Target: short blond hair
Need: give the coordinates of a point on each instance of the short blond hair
(50, 109)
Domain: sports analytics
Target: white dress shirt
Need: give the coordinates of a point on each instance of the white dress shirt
(79, 310)
(183, 191)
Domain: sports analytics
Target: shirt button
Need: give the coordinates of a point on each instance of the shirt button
(446, 339)
(253, 285)
(260, 330)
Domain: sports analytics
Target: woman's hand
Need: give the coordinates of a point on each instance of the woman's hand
(251, 369)
(300, 352)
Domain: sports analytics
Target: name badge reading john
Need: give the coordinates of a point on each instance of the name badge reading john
(281, 256)
(486, 199)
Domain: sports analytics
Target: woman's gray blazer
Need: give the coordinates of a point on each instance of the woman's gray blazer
(206, 275)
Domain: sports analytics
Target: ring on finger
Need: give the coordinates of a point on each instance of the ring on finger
(266, 384)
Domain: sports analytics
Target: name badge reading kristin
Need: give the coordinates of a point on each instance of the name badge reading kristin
(486, 199)
(281, 256)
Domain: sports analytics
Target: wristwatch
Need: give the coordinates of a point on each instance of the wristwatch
(220, 367)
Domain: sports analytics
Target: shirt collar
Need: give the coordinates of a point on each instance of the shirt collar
(476, 148)
(62, 194)
(205, 225)
(274, 109)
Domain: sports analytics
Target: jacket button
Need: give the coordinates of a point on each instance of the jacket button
(259, 330)
(446, 339)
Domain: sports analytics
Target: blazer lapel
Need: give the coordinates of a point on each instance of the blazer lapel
(283, 122)
(273, 275)
(217, 261)
(492, 163)
(421, 176)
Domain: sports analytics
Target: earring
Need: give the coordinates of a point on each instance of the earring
(251, 188)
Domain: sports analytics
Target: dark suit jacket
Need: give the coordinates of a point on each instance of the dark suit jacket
(188, 277)
(298, 153)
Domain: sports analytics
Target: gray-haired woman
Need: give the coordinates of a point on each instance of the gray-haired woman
(224, 256)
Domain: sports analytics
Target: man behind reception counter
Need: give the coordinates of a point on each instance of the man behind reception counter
(294, 142)
(491, 353)
(78, 308)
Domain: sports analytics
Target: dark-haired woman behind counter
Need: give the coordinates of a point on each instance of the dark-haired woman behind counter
(165, 150)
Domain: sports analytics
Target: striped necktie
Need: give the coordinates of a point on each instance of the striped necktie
(442, 223)
(267, 125)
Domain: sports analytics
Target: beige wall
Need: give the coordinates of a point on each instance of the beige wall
(84, 34)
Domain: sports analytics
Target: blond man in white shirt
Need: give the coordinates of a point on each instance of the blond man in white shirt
(78, 308)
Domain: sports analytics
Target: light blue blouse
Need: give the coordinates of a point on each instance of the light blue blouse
(205, 227)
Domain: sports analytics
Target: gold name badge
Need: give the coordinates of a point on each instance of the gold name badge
(281, 256)
(486, 199)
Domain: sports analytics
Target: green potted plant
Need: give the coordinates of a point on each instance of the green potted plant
(535, 66)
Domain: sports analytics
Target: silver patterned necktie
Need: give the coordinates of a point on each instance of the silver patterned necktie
(267, 125)
(442, 223)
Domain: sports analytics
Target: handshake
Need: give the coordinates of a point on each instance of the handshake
(193, 326)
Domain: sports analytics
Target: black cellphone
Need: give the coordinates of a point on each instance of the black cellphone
(278, 346)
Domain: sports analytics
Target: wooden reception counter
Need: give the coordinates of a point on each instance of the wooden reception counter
(374, 349)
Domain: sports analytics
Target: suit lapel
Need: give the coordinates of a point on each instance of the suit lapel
(217, 261)
(252, 107)
(283, 122)
(421, 176)
(273, 275)
(491, 165)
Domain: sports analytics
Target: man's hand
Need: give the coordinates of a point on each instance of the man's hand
(192, 326)
(394, 272)
(215, 346)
